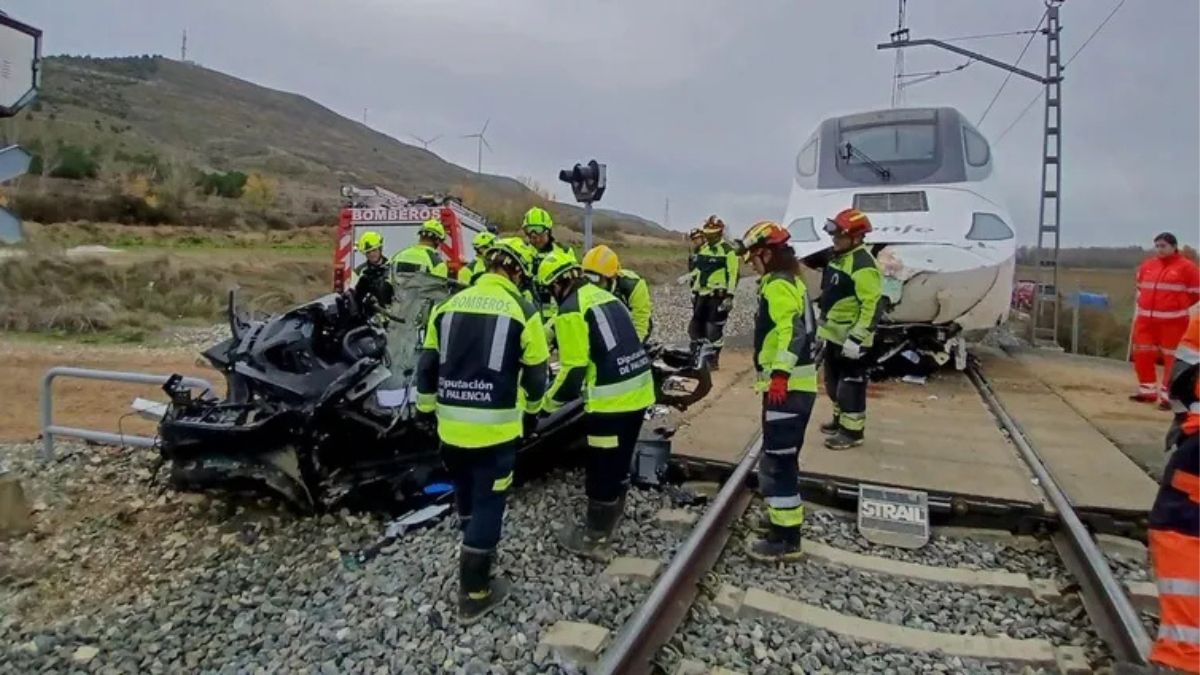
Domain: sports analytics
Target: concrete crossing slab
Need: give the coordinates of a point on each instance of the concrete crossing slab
(938, 437)
(1093, 471)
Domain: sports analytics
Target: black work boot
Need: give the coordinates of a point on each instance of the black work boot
(591, 540)
(478, 593)
(714, 361)
(831, 427)
(781, 544)
(843, 440)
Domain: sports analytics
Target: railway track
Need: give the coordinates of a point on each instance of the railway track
(1055, 606)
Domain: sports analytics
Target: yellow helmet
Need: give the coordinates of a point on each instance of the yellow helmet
(554, 266)
(516, 250)
(370, 241)
(482, 240)
(537, 218)
(433, 228)
(602, 260)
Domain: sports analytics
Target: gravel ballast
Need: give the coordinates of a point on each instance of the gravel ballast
(941, 551)
(141, 582)
(776, 647)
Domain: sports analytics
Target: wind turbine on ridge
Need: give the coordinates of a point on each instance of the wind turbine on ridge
(425, 142)
(482, 141)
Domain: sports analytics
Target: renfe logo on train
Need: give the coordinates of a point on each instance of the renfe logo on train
(892, 516)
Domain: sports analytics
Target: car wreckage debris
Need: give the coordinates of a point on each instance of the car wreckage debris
(319, 408)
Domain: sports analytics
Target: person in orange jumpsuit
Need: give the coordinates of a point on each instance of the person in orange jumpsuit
(1167, 286)
(1175, 518)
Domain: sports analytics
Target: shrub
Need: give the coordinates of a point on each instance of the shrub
(260, 192)
(75, 163)
(229, 185)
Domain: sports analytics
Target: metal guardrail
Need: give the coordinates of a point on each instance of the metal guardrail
(1104, 598)
(665, 608)
(50, 429)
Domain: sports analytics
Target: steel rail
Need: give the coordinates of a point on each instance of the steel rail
(1104, 599)
(664, 609)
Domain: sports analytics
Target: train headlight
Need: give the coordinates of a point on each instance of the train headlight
(802, 230)
(988, 227)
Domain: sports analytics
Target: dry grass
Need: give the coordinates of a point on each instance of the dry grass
(174, 237)
(170, 275)
(130, 300)
(1101, 333)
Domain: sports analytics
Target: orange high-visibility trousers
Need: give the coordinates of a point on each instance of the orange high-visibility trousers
(1152, 338)
(1175, 556)
(1176, 559)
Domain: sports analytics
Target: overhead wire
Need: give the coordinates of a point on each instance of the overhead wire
(1008, 76)
(991, 35)
(1042, 93)
(929, 75)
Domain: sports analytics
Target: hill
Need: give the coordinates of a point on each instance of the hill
(184, 140)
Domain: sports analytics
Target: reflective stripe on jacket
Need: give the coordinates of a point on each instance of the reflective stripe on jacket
(1167, 286)
(600, 355)
(421, 258)
(716, 268)
(483, 364)
(633, 290)
(1175, 556)
(783, 333)
(851, 287)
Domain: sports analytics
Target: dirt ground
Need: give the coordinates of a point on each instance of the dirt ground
(84, 403)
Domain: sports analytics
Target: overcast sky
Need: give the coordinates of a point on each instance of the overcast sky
(703, 102)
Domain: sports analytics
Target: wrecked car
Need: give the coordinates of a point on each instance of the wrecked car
(320, 406)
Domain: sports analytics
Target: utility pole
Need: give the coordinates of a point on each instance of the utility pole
(1044, 319)
(183, 47)
(667, 214)
(1046, 296)
(900, 34)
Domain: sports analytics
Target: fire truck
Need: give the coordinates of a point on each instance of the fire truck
(397, 219)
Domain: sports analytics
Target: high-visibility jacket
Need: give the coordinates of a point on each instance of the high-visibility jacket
(1175, 519)
(851, 287)
(552, 247)
(783, 333)
(483, 364)
(547, 304)
(421, 258)
(1183, 390)
(693, 272)
(1167, 286)
(716, 268)
(600, 355)
(633, 290)
(468, 273)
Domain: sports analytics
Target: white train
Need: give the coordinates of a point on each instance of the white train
(944, 241)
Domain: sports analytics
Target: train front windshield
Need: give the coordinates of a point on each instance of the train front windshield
(894, 147)
(894, 142)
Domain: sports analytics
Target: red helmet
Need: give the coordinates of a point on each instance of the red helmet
(849, 221)
(713, 225)
(765, 233)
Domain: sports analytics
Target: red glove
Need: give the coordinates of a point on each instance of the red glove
(777, 392)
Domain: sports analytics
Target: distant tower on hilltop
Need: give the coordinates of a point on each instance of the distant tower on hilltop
(183, 47)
